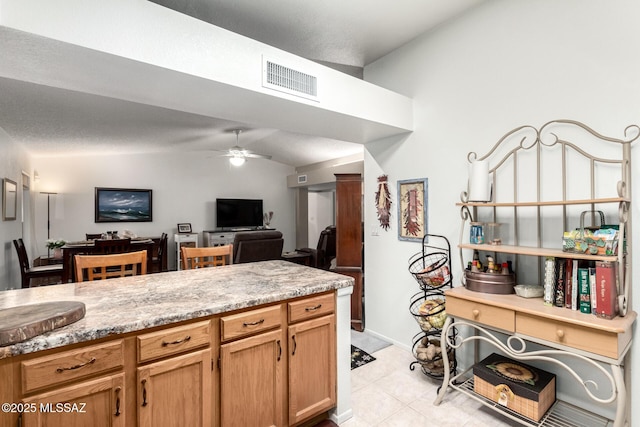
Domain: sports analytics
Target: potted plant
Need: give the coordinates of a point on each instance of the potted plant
(56, 245)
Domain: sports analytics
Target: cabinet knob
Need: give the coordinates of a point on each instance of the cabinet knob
(560, 334)
(475, 313)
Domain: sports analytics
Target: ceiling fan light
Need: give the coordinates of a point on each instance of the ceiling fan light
(236, 160)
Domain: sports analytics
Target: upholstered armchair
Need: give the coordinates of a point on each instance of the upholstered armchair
(325, 251)
(251, 246)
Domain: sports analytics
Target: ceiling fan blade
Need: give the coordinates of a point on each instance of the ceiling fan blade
(257, 156)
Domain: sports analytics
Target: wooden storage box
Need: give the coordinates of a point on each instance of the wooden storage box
(522, 388)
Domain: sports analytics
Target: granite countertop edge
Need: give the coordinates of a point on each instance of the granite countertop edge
(120, 306)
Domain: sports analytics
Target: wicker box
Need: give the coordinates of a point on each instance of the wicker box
(522, 388)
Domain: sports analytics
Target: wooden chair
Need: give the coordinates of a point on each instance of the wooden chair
(41, 272)
(113, 246)
(212, 256)
(97, 267)
(159, 261)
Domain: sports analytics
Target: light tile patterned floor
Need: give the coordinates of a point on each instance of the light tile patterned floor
(386, 393)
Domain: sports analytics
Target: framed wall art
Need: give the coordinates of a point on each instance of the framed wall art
(412, 209)
(184, 227)
(9, 199)
(123, 205)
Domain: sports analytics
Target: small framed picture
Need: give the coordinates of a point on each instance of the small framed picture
(184, 228)
(412, 209)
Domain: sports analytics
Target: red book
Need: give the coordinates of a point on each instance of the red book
(606, 290)
(568, 283)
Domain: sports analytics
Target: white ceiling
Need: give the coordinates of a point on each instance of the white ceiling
(348, 34)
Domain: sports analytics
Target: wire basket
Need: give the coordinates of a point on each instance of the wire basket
(428, 310)
(431, 270)
(428, 353)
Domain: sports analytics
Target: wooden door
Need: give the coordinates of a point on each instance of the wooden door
(251, 381)
(349, 244)
(176, 392)
(312, 368)
(98, 402)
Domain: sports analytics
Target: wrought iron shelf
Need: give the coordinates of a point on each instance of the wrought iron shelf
(561, 414)
(535, 251)
(545, 203)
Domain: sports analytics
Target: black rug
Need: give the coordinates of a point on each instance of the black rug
(359, 357)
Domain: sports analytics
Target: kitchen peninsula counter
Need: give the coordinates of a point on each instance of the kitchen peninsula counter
(130, 304)
(140, 306)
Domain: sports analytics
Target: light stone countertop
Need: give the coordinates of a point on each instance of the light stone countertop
(122, 305)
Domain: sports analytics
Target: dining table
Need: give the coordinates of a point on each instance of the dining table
(88, 247)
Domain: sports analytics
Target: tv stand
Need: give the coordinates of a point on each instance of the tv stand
(223, 237)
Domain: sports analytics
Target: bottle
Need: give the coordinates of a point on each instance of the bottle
(505, 268)
(476, 259)
(490, 264)
(474, 266)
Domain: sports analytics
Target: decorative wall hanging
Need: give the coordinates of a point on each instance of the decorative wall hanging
(383, 202)
(123, 205)
(9, 200)
(412, 209)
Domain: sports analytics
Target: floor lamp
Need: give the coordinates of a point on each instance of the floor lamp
(48, 218)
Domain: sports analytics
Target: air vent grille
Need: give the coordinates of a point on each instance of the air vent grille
(292, 81)
(302, 179)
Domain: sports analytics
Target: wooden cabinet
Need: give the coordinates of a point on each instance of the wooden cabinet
(176, 391)
(349, 240)
(277, 367)
(98, 402)
(256, 360)
(71, 365)
(252, 381)
(312, 367)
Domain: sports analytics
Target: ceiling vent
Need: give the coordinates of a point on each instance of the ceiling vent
(285, 79)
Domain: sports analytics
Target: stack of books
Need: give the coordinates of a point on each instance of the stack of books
(587, 286)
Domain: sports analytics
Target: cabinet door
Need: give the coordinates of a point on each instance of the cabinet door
(251, 381)
(98, 402)
(176, 392)
(312, 368)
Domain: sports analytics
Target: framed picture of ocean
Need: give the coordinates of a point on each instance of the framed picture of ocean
(123, 205)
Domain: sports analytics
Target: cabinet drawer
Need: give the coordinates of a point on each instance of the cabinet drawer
(311, 307)
(71, 365)
(497, 317)
(249, 322)
(588, 339)
(174, 340)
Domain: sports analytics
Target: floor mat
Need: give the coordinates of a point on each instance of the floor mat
(368, 342)
(359, 357)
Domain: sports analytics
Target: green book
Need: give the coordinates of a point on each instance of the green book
(584, 294)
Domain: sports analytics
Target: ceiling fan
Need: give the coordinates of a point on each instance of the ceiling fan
(238, 155)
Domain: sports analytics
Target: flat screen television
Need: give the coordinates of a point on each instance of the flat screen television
(238, 213)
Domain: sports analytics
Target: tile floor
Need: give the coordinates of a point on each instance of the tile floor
(386, 393)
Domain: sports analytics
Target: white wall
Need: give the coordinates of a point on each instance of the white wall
(321, 214)
(185, 187)
(504, 64)
(13, 161)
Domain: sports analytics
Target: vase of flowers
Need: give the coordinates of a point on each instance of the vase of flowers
(56, 245)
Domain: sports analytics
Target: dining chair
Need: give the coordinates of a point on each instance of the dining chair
(158, 261)
(211, 256)
(98, 267)
(113, 246)
(41, 272)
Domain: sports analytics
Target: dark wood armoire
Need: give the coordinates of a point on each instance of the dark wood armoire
(349, 240)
